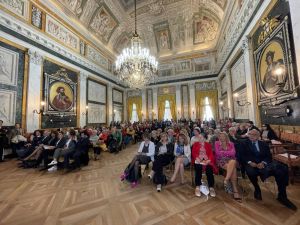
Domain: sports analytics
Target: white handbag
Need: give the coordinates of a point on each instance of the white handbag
(204, 189)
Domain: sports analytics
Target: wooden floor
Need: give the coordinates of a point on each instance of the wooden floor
(95, 196)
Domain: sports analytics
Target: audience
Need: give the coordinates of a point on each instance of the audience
(209, 146)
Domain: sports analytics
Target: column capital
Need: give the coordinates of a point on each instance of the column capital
(192, 85)
(83, 75)
(246, 44)
(35, 57)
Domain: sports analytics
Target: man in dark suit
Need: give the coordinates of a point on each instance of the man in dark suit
(257, 158)
(81, 152)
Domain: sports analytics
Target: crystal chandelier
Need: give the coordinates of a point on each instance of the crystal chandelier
(135, 66)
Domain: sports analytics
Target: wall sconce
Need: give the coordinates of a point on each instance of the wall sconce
(246, 103)
(222, 106)
(86, 111)
(193, 111)
(280, 72)
(41, 110)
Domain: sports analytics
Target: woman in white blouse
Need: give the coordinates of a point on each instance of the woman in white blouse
(145, 155)
(182, 152)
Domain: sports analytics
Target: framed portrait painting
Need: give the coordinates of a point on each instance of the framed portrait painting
(61, 96)
(60, 89)
(274, 68)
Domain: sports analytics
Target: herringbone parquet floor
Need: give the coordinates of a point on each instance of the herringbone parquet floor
(95, 196)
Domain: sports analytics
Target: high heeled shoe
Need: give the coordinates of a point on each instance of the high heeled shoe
(238, 199)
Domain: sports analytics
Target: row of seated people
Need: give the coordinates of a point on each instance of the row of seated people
(73, 144)
(55, 144)
(251, 153)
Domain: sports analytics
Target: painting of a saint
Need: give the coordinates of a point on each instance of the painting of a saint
(162, 36)
(163, 40)
(61, 96)
(273, 72)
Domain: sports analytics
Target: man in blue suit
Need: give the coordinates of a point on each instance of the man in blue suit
(257, 158)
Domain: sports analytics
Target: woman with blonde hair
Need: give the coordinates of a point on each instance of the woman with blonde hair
(182, 152)
(226, 159)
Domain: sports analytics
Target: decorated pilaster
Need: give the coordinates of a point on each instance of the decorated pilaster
(229, 94)
(250, 80)
(192, 100)
(83, 104)
(110, 103)
(178, 101)
(155, 108)
(34, 95)
(144, 105)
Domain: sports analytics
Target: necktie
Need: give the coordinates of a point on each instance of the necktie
(255, 149)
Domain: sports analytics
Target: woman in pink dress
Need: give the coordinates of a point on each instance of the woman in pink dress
(226, 159)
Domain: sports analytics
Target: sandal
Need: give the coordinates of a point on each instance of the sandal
(238, 199)
(228, 187)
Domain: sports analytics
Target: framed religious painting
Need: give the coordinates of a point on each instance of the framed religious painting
(60, 96)
(274, 69)
(60, 93)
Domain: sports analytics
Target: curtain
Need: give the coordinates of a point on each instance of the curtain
(134, 100)
(212, 100)
(161, 102)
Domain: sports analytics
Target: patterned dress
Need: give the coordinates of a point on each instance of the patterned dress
(223, 156)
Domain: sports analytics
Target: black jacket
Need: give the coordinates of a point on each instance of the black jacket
(60, 143)
(248, 154)
(170, 148)
(44, 140)
(83, 145)
(52, 141)
(271, 135)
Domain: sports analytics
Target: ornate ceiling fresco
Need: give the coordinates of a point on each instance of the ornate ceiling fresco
(169, 28)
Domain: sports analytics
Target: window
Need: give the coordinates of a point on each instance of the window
(168, 114)
(207, 110)
(134, 115)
